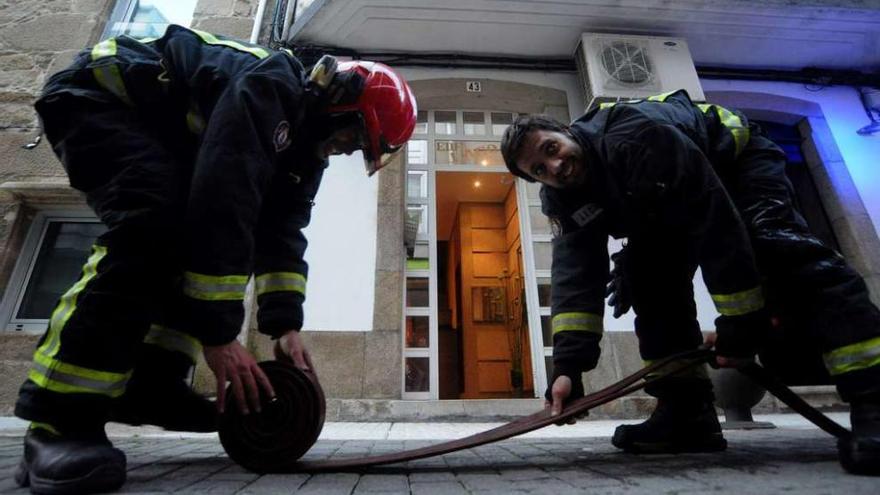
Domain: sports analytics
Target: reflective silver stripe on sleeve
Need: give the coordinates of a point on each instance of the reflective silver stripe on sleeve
(853, 357)
(739, 303)
(214, 288)
(577, 321)
(281, 282)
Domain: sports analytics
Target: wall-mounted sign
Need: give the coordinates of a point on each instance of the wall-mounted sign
(474, 87)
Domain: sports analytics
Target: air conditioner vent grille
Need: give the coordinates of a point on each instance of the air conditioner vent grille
(627, 63)
(613, 67)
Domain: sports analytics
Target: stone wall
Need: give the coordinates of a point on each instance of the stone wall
(234, 18)
(37, 39)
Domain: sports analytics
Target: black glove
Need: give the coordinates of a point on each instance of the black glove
(618, 290)
(744, 335)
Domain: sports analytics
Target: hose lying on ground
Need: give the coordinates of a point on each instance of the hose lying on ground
(274, 440)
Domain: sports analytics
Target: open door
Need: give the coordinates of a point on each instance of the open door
(484, 348)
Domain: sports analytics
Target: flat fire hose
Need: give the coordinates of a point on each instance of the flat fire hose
(274, 440)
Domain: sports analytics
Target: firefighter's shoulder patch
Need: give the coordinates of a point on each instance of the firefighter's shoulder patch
(281, 136)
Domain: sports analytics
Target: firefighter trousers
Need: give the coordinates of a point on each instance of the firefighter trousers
(126, 296)
(835, 318)
(825, 300)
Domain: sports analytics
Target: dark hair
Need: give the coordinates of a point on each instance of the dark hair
(515, 135)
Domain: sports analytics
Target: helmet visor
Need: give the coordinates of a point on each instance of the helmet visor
(374, 161)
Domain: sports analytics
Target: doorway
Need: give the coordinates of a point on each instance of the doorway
(483, 332)
(476, 256)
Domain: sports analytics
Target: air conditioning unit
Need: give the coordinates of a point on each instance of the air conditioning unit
(614, 67)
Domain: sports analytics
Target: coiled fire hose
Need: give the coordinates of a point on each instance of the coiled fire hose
(274, 440)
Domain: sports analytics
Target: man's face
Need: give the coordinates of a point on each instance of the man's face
(552, 158)
(342, 141)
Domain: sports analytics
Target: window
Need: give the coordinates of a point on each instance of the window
(444, 123)
(148, 18)
(500, 122)
(51, 259)
(482, 153)
(474, 123)
(421, 123)
(417, 151)
(539, 227)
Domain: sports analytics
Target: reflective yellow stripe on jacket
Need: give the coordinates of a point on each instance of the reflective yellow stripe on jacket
(213, 40)
(739, 303)
(214, 288)
(281, 282)
(728, 119)
(108, 75)
(733, 123)
(172, 340)
(577, 322)
(853, 357)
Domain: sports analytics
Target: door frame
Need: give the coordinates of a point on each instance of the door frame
(428, 136)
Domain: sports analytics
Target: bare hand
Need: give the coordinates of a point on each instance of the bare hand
(560, 391)
(293, 348)
(726, 362)
(234, 364)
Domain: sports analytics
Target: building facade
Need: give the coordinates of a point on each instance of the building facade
(428, 292)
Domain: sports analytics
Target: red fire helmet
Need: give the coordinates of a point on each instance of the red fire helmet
(386, 105)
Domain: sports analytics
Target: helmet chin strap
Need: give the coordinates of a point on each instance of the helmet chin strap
(324, 125)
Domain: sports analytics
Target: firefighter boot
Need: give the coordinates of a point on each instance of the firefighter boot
(74, 462)
(158, 394)
(860, 452)
(683, 421)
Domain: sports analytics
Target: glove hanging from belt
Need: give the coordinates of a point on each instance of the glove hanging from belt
(618, 290)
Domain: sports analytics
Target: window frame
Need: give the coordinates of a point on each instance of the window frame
(124, 9)
(25, 264)
(123, 12)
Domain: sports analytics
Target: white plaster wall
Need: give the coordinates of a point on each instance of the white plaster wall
(342, 249)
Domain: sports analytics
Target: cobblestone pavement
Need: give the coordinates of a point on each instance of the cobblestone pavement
(756, 462)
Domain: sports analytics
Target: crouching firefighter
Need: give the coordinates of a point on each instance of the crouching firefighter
(689, 185)
(202, 156)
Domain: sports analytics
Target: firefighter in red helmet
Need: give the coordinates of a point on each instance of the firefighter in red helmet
(202, 156)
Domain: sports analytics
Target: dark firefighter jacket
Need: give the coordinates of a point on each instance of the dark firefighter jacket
(253, 175)
(649, 163)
